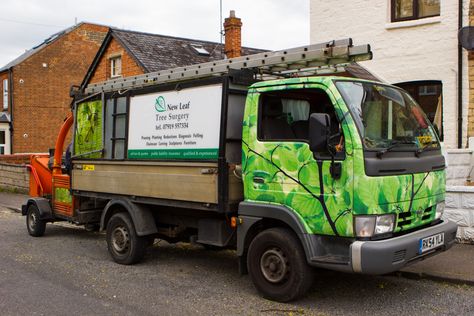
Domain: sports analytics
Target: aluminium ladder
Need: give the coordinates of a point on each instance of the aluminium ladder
(303, 61)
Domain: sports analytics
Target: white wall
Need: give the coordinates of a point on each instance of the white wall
(424, 49)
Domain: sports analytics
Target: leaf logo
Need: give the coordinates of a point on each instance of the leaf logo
(160, 104)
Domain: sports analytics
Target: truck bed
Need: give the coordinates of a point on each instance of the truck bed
(183, 181)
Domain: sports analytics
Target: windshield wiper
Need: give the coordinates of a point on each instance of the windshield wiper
(394, 144)
(419, 151)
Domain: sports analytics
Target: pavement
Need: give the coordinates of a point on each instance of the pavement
(453, 266)
(12, 201)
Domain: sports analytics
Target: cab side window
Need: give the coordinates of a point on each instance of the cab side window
(279, 116)
(285, 114)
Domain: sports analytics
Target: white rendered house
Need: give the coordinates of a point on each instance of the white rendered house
(415, 45)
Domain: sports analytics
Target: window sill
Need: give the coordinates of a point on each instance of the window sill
(412, 23)
(115, 77)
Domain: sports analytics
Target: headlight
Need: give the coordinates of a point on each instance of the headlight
(364, 226)
(439, 210)
(384, 224)
(368, 226)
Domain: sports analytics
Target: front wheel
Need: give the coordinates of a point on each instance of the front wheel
(277, 265)
(123, 244)
(35, 225)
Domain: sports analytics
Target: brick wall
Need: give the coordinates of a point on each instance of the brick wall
(15, 159)
(114, 49)
(41, 87)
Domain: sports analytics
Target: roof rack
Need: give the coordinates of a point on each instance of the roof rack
(302, 61)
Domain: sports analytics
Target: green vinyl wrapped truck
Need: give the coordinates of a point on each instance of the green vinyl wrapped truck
(292, 172)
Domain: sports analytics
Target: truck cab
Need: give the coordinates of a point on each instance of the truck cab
(354, 167)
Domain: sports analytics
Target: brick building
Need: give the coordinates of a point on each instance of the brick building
(35, 87)
(128, 53)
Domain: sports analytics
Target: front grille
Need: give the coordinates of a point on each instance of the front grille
(405, 219)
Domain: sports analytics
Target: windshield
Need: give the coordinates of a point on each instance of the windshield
(387, 116)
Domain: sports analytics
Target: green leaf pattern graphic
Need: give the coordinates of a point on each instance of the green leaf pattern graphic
(88, 135)
(293, 178)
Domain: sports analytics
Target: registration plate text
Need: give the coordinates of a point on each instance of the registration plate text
(431, 242)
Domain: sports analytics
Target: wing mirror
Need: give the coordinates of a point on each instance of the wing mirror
(319, 129)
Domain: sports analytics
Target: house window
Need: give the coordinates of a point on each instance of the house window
(403, 10)
(115, 67)
(5, 94)
(428, 94)
(3, 140)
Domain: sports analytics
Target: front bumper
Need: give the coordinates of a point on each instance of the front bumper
(389, 255)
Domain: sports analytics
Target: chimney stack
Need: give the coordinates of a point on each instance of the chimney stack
(233, 42)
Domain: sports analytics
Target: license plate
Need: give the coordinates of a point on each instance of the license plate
(431, 242)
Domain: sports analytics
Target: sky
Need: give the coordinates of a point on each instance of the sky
(267, 24)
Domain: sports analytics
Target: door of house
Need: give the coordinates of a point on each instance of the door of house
(4, 139)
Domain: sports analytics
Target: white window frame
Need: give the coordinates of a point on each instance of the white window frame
(115, 66)
(427, 90)
(5, 94)
(4, 145)
(390, 25)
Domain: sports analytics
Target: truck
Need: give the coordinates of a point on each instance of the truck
(269, 154)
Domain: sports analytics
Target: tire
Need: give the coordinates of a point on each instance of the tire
(123, 244)
(34, 224)
(277, 265)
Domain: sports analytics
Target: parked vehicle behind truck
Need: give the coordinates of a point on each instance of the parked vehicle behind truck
(293, 173)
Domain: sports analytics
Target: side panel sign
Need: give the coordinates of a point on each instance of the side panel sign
(181, 124)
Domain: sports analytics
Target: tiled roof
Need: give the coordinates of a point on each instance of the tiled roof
(158, 52)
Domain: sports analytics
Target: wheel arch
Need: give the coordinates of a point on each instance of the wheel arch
(43, 205)
(142, 217)
(256, 217)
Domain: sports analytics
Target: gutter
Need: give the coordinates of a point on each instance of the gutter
(460, 75)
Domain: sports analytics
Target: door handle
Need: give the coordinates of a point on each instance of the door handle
(258, 180)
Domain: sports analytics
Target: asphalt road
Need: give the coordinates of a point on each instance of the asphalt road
(68, 271)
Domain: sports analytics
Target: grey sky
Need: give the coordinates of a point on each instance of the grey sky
(270, 24)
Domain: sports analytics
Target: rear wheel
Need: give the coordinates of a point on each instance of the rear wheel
(35, 225)
(277, 265)
(123, 244)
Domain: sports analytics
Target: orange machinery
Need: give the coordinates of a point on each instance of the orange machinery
(52, 183)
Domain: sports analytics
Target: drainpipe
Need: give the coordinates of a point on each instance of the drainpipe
(460, 79)
(10, 97)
